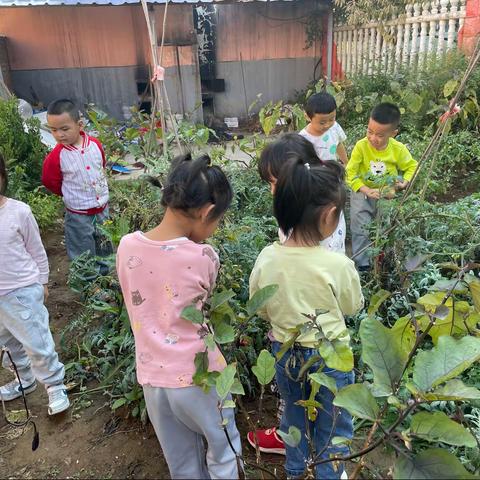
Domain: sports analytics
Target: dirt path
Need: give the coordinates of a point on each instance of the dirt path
(88, 441)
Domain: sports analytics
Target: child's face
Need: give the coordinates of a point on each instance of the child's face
(378, 134)
(65, 130)
(321, 122)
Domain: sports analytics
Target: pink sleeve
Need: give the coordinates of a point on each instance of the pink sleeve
(34, 245)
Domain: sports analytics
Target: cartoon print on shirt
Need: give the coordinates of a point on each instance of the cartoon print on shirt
(145, 358)
(378, 168)
(171, 338)
(170, 292)
(134, 262)
(137, 298)
(211, 255)
(168, 248)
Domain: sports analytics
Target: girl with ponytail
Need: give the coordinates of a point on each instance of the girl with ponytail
(308, 202)
(161, 272)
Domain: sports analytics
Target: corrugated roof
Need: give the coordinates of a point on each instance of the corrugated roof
(37, 3)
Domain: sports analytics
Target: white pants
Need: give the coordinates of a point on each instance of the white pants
(188, 426)
(24, 330)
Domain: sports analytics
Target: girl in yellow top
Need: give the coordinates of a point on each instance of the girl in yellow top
(307, 202)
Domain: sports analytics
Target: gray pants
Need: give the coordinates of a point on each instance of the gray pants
(82, 234)
(188, 426)
(362, 212)
(25, 332)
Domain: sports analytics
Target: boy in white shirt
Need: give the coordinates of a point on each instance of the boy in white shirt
(323, 131)
(327, 137)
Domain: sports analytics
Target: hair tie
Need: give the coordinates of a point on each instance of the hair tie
(307, 165)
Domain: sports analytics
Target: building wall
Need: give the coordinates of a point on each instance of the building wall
(96, 54)
(261, 50)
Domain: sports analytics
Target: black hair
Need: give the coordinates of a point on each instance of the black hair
(303, 191)
(320, 103)
(64, 105)
(192, 183)
(276, 154)
(386, 114)
(3, 175)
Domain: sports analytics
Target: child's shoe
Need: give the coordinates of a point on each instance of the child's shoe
(57, 399)
(268, 441)
(12, 390)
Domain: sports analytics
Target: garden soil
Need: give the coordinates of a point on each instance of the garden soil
(88, 441)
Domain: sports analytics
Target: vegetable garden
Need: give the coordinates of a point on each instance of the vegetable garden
(416, 344)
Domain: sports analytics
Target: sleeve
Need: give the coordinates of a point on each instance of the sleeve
(350, 297)
(406, 164)
(34, 245)
(97, 142)
(213, 266)
(341, 134)
(353, 169)
(51, 172)
(254, 287)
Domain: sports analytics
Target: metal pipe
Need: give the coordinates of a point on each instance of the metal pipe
(329, 44)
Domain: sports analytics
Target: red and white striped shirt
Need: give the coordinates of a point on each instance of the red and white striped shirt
(78, 174)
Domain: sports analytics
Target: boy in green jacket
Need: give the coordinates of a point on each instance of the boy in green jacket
(376, 161)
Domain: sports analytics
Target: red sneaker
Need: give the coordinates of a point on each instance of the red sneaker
(268, 441)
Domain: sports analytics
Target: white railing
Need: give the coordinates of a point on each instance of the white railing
(426, 29)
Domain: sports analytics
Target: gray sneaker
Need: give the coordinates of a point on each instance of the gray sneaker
(12, 390)
(57, 399)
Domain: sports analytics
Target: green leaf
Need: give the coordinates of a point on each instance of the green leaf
(292, 438)
(377, 300)
(435, 463)
(414, 101)
(474, 287)
(192, 314)
(264, 370)
(449, 87)
(437, 427)
(201, 362)
(225, 380)
(224, 333)
(341, 441)
(448, 359)
(454, 390)
(384, 353)
(287, 345)
(358, 400)
(228, 404)
(237, 388)
(209, 342)
(323, 379)
(220, 298)
(118, 403)
(260, 298)
(336, 354)
(405, 332)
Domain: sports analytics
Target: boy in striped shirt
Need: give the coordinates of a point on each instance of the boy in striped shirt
(75, 170)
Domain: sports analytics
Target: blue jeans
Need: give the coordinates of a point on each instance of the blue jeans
(320, 431)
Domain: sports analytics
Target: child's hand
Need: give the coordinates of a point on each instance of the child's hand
(45, 293)
(371, 192)
(401, 185)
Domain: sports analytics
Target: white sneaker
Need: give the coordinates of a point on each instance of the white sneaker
(57, 399)
(12, 390)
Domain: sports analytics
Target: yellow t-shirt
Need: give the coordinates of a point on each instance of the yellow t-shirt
(369, 167)
(309, 278)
